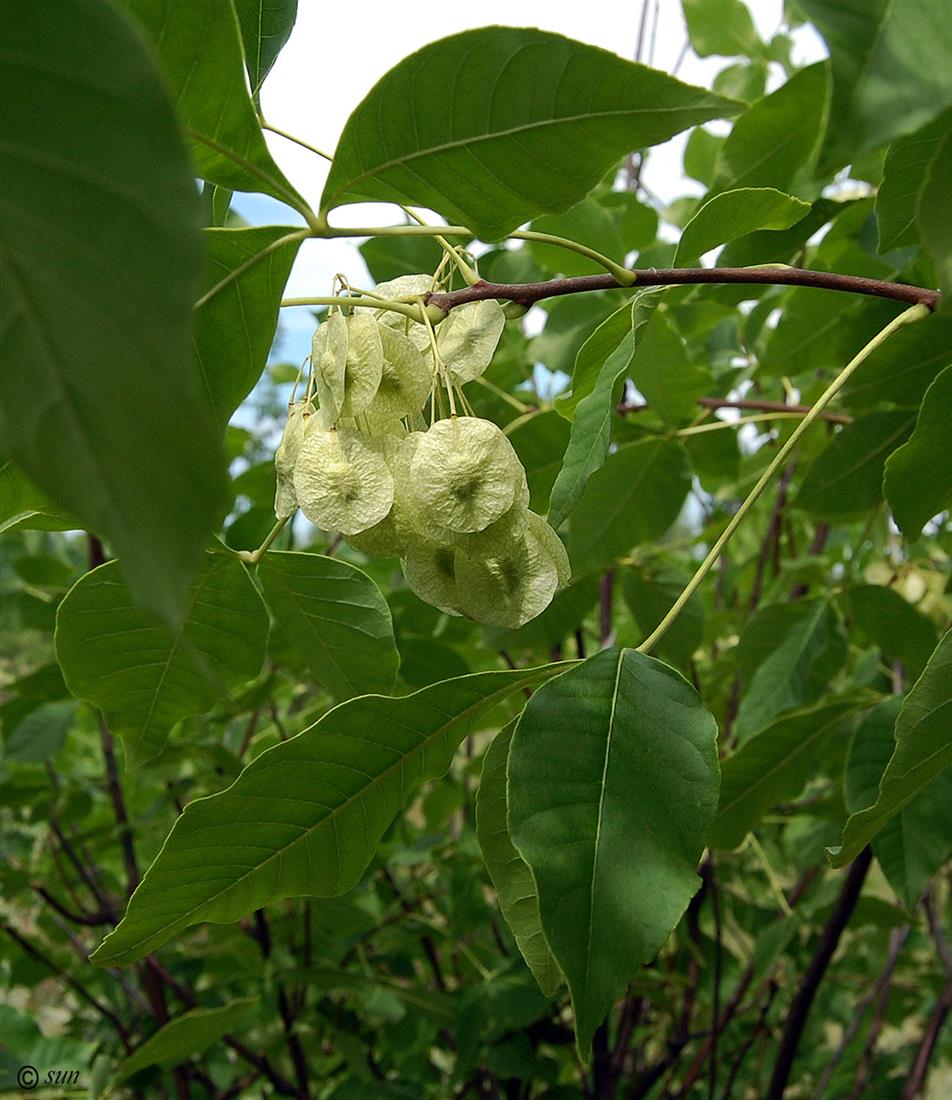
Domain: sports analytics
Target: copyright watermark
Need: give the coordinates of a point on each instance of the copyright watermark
(30, 1078)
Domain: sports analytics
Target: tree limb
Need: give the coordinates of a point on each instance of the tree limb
(527, 294)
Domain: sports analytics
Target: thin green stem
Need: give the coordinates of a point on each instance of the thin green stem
(621, 274)
(297, 141)
(914, 313)
(293, 200)
(414, 311)
(254, 556)
(716, 425)
(469, 275)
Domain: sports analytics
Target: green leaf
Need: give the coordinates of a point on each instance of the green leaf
(590, 223)
(99, 267)
(600, 369)
(594, 353)
(189, 1034)
(336, 618)
(390, 257)
(904, 174)
(902, 369)
(634, 498)
(21, 500)
(305, 817)
(772, 767)
(40, 735)
(650, 592)
(721, 27)
(612, 785)
(935, 212)
(143, 675)
(922, 751)
(789, 653)
(893, 624)
(512, 879)
(890, 64)
(540, 442)
(918, 840)
(198, 43)
(495, 126)
(918, 478)
(265, 27)
(234, 329)
(778, 136)
(700, 155)
(822, 331)
(846, 478)
(665, 374)
(732, 214)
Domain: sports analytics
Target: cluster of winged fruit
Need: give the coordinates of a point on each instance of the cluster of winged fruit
(449, 499)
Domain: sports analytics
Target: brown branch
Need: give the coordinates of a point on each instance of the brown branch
(527, 294)
(67, 979)
(771, 539)
(810, 983)
(90, 920)
(759, 1028)
(260, 1061)
(879, 993)
(119, 806)
(920, 1066)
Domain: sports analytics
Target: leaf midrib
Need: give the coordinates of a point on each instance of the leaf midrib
(182, 920)
(495, 135)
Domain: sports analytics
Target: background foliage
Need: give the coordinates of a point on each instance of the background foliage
(443, 859)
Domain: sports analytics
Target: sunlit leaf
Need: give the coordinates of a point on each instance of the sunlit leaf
(198, 43)
(265, 26)
(918, 479)
(495, 126)
(890, 64)
(189, 1034)
(733, 214)
(771, 767)
(235, 325)
(778, 136)
(633, 498)
(597, 383)
(918, 840)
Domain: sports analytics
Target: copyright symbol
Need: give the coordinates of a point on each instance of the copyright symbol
(28, 1077)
